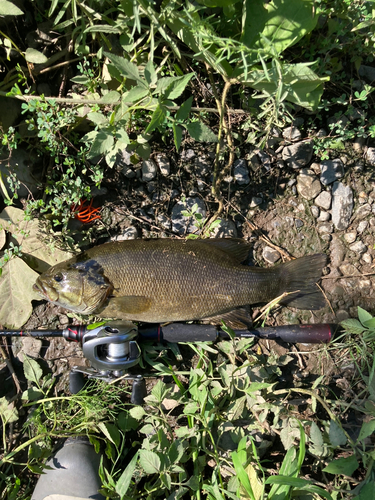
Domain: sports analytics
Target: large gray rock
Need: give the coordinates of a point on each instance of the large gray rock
(308, 185)
(299, 154)
(342, 205)
(331, 171)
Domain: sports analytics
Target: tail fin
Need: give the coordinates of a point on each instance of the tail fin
(300, 276)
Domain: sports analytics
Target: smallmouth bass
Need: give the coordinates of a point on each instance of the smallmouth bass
(162, 280)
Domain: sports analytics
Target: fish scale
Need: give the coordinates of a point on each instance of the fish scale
(176, 280)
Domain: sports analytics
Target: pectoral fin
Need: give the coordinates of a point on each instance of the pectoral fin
(124, 307)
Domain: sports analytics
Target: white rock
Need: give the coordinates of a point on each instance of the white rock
(362, 226)
(350, 237)
(358, 247)
(366, 257)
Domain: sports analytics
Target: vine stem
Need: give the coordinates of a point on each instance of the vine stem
(224, 128)
(73, 101)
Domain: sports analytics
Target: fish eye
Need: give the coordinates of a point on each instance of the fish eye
(58, 277)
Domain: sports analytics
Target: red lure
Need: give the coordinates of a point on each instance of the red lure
(85, 212)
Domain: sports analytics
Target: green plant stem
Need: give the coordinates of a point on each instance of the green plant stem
(73, 101)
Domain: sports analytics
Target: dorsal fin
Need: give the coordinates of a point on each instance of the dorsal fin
(237, 248)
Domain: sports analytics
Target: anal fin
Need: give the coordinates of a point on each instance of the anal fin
(238, 319)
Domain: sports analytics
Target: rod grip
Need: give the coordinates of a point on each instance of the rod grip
(182, 332)
(304, 334)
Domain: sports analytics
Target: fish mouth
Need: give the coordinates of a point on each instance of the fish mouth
(45, 291)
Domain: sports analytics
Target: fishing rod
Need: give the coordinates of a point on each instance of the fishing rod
(112, 346)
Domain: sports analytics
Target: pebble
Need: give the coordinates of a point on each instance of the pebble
(226, 229)
(308, 185)
(298, 223)
(164, 164)
(358, 247)
(362, 226)
(292, 134)
(299, 154)
(315, 212)
(130, 233)
(128, 172)
(342, 205)
(341, 315)
(324, 200)
(370, 156)
(325, 228)
(350, 237)
(363, 211)
(331, 170)
(163, 221)
(270, 255)
(366, 257)
(324, 216)
(348, 269)
(187, 155)
(255, 201)
(241, 172)
(149, 170)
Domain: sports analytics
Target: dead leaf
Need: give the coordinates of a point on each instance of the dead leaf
(2, 238)
(35, 251)
(16, 293)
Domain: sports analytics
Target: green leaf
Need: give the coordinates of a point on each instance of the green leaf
(32, 394)
(177, 135)
(336, 434)
(184, 110)
(157, 119)
(103, 28)
(344, 466)
(8, 411)
(123, 482)
(200, 132)
(363, 315)
(137, 412)
(111, 97)
(34, 56)
(32, 370)
(353, 326)
(241, 473)
(102, 142)
(151, 76)
(149, 461)
(316, 438)
(271, 27)
(97, 118)
(366, 430)
(367, 492)
(303, 86)
(111, 432)
(176, 87)
(126, 68)
(135, 94)
(9, 9)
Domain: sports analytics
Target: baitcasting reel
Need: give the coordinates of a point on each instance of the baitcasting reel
(112, 350)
